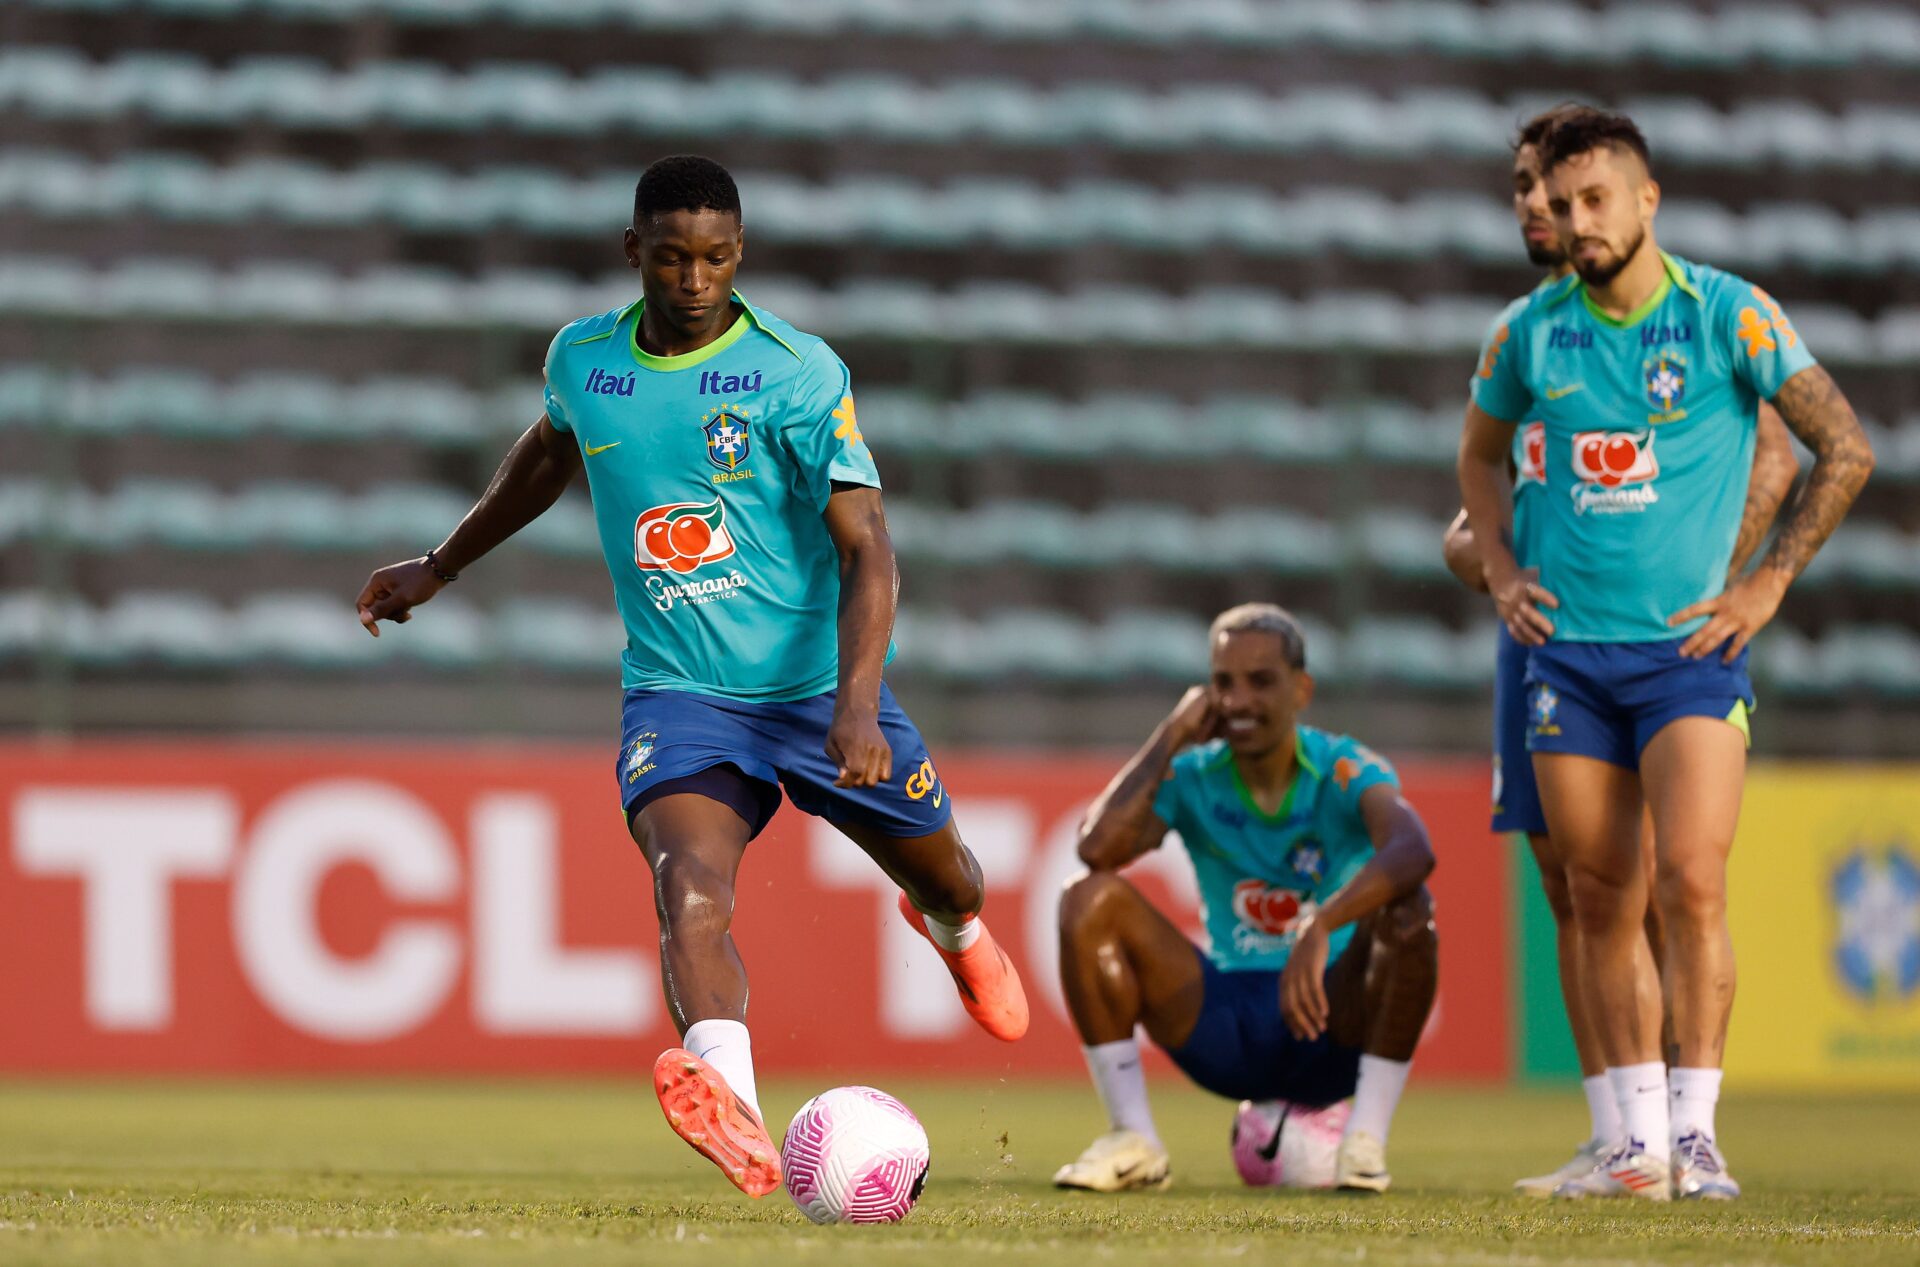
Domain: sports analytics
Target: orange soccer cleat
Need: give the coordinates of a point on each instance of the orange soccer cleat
(703, 1110)
(989, 985)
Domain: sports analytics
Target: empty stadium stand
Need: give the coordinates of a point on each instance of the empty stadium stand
(1153, 306)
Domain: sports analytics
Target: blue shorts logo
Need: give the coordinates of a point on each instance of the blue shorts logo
(728, 440)
(639, 756)
(1876, 903)
(1542, 707)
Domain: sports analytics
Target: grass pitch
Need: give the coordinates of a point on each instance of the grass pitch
(586, 1173)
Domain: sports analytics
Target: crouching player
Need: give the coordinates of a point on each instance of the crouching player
(1310, 865)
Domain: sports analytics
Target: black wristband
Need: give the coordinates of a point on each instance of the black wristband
(433, 566)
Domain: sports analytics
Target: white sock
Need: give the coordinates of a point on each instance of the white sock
(1641, 1091)
(726, 1046)
(1122, 1084)
(953, 937)
(1377, 1095)
(1603, 1111)
(1695, 1093)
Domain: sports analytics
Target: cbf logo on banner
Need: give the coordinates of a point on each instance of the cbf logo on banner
(208, 908)
(1824, 897)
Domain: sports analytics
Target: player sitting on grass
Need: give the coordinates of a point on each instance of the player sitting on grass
(740, 514)
(1310, 863)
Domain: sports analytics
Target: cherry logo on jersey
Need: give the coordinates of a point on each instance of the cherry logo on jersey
(1616, 471)
(1267, 910)
(1533, 454)
(681, 536)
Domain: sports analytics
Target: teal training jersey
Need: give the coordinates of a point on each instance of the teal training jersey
(1648, 442)
(709, 473)
(1528, 475)
(1257, 871)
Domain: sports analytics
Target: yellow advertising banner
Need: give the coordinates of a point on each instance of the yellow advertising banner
(1824, 898)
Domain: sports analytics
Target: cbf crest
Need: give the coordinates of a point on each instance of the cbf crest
(1875, 892)
(1665, 379)
(1544, 705)
(729, 438)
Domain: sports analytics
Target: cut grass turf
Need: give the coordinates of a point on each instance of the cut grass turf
(587, 1173)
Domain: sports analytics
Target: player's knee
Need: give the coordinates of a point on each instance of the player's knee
(1693, 891)
(1597, 900)
(1554, 884)
(692, 898)
(1092, 903)
(955, 891)
(1406, 927)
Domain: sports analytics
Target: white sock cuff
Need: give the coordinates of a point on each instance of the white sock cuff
(703, 1036)
(1603, 1110)
(1701, 1084)
(953, 937)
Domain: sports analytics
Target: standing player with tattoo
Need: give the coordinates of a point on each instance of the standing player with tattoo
(1516, 798)
(1647, 372)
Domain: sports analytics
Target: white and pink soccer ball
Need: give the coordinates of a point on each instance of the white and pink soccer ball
(855, 1155)
(1282, 1145)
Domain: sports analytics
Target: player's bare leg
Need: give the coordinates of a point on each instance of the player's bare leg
(1593, 812)
(1379, 995)
(1694, 770)
(1657, 941)
(1602, 1107)
(1123, 964)
(706, 1087)
(941, 894)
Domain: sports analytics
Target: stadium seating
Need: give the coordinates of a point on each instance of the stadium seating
(306, 93)
(1153, 306)
(1775, 33)
(1010, 213)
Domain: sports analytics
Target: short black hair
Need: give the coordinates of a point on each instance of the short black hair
(684, 182)
(1534, 130)
(1578, 129)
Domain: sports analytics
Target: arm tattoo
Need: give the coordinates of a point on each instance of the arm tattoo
(1811, 405)
(1774, 469)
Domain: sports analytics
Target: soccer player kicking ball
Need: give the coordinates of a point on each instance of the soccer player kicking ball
(1646, 372)
(1323, 957)
(1516, 798)
(740, 514)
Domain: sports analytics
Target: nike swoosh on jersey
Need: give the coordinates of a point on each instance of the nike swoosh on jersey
(591, 451)
(1555, 393)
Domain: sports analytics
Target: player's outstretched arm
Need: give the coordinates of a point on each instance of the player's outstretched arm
(1121, 823)
(1774, 470)
(1462, 554)
(869, 594)
(1486, 492)
(1812, 406)
(537, 469)
(1402, 860)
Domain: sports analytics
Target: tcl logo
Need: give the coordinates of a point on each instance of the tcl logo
(129, 848)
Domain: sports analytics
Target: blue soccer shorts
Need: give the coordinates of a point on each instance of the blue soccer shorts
(678, 741)
(1609, 699)
(1242, 1049)
(1516, 797)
